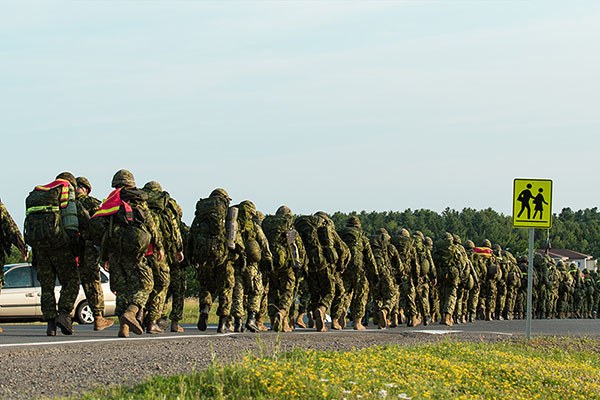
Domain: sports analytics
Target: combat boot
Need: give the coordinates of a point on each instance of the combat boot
(488, 315)
(261, 327)
(342, 319)
(203, 318)
(393, 320)
(101, 323)
(320, 319)
(287, 327)
(237, 325)
(223, 324)
(63, 321)
(448, 319)
(427, 320)
(51, 329)
(335, 325)
(358, 326)
(153, 328)
(382, 319)
(401, 317)
(163, 322)
(300, 321)
(123, 331)
(251, 322)
(415, 321)
(311, 320)
(277, 323)
(129, 317)
(175, 327)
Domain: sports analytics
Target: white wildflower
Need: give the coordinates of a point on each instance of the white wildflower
(382, 393)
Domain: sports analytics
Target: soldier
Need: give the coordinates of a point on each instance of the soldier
(9, 235)
(52, 230)
(338, 312)
(362, 269)
(265, 274)
(426, 276)
(386, 294)
(214, 246)
(474, 280)
(248, 276)
(177, 284)
(434, 296)
(131, 237)
(164, 210)
(493, 274)
(89, 268)
(513, 281)
(407, 279)
(289, 259)
(540, 265)
(448, 260)
(462, 292)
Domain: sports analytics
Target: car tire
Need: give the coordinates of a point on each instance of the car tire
(83, 313)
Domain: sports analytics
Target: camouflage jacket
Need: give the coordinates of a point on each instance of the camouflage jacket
(9, 234)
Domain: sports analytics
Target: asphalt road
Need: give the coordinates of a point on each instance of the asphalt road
(30, 335)
(37, 366)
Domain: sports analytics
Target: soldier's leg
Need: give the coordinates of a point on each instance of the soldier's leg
(89, 273)
(118, 284)
(339, 292)
(225, 281)
(161, 278)
(206, 287)
(47, 277)
(360, 297)
(237, 304)
(178, 286)
(68, 276)
(139, 279)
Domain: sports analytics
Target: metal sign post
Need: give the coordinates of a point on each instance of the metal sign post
(530, 284)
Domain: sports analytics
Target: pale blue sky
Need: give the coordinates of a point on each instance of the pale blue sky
(318, 105)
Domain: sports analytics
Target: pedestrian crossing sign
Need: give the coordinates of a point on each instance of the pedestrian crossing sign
(532, 203)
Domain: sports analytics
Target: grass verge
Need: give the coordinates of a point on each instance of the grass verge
(546, 368)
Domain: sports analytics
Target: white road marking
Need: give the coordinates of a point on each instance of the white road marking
(114, 339)
(436, 331)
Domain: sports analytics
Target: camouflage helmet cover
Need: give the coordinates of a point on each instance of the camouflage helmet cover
(456, 238)
(83, 182)
(353, 221)
(220, 192)
(404, 232)
(283, 211)
(153, 185)
(469, 243)
(487, 243)
(123, 178)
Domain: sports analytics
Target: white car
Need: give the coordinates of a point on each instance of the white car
(20, 298)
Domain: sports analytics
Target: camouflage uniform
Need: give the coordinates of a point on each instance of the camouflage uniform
(166, 214)
(579, 294)
(215, 277)
(288, 260)
(9, 235)
(131, 277)
(248, 275)
(543, 284)
(60, 262)
(407, 278)
(596, 301)
(513, 280)
(89, 267)
(178, 284)
(361, 270)
(565, 283)
(339, 307)
(386, 293)
(427, 276)
(590, 288)
(474, 280)
(448, 259)
(492, 276)
(462, 291)
(434, 296)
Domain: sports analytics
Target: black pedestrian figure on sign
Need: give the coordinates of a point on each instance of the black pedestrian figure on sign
(524, 198)
(539, 202)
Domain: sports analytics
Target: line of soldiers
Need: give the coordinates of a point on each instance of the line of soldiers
(292, 270)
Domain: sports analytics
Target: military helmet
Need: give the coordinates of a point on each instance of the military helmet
(404, 232)
(324, 215)
(449, 237)
(68, 177)
(259, 216)
(419, 234)
(469, 244)
(248, 206)
(83, 182)
(456, 238)
(123, 178)
(353, 221)
(429, 241)
(220, 192)
(153, 185)
(487, 243)
(497, 247)
(284, 211)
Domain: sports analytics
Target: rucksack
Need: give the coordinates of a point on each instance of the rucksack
(43, 223)
(207, 240)
(161, 203)
(307, 226)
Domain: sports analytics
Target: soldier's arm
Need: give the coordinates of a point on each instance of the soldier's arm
(10, 231)
(370, 262)
(152, 228)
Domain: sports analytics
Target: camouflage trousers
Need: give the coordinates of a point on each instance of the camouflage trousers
(161, 277)
(176, 291)
(89, 273)
(473, 300)
(360, 295)
(342, 288)
(282, 290)
(511, 301)
(491, 295)
(434, 302)
(386, 294)
(247, 290)
(49, 265)
(320, 285)
(462, 297)
(130, 279)
(216, 281)
(448, 290)
(501, 298)
(410, 297)
(264, 299)
(422, 290)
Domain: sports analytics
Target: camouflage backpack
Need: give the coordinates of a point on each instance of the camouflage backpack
(162, 204)
(43, 223)
(307, 226)
(207, 238)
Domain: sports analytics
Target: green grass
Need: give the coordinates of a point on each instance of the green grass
(547, 368)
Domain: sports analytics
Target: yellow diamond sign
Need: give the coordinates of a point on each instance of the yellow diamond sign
(532, 203)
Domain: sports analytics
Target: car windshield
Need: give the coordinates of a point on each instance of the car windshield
(18, 277)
